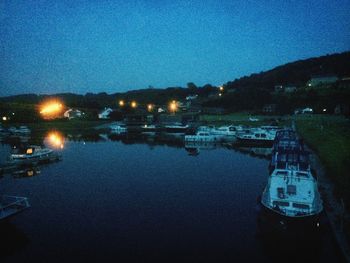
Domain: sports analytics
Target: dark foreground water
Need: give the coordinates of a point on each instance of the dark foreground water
(116, 202)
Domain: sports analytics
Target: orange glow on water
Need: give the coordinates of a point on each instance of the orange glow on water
(51, 109)
(55, 139)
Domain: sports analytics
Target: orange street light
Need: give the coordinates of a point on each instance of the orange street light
(221, 88)
(121, 103)
(133, 104)
(51, 109)
(150, 107)
(173, 106)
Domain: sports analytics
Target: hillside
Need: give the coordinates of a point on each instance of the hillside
(297, 73)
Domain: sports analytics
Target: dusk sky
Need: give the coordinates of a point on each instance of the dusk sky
(94, 46)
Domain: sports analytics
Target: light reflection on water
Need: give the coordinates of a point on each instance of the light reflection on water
(134, 197)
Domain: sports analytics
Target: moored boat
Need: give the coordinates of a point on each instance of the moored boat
(202, 136)
(33, 154)
(118, 128)
(291, 192)
(176, 128)
(148, 128)
(255, 136)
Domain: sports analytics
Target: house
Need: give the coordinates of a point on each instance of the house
(105, 113)
(304, 111)
(269, 108)
(285, 89)
(322, 80)
(279, 88)
(73, 113)
(192, 97)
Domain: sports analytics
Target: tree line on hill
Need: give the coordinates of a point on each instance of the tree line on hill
(247, 93)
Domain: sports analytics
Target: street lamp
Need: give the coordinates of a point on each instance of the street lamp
(133, 104)
(121, 103)
(150, 107)
(173, 106)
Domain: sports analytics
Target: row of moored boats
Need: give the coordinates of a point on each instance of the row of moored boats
(230, 133)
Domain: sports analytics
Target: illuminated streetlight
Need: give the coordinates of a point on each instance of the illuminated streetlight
(4, 118)
(220, 94)
(173, 106)
(121, 103)
(221, 88)
(133, 104)
(149, 107)
(51, 109)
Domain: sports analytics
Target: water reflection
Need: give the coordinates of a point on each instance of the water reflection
(55, 139)
(26, 172)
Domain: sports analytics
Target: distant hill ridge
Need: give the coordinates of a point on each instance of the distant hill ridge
(297, 72)
(294, 73)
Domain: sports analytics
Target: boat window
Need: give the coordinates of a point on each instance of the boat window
(291, 189)
(29, 151)
(257, 135)
(280, 203)
(302, 174)
(263, 135)
(282, 173)
(280, 192)
(301, 206)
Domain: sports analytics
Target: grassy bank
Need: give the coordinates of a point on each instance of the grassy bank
(243, 119)
(329, 137)
(65, 125)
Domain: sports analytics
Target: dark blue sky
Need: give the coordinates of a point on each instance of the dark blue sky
(93, 46)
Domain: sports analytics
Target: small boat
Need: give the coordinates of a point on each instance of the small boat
(118, 128)
(33, 154)
(176, 128)
(202, 136)
(256, 136)
(148, 128)
(11, 205)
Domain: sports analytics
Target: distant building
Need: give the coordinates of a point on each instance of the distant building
(269, 108)
(322, 80)
(304, 111)
(192, 97)
(285, 89)
(73, 113)
(278, 88)
(105, 113)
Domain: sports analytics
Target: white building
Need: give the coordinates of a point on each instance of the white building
(73, 113)
(105, 113)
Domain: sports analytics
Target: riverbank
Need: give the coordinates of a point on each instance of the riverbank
(329, 138)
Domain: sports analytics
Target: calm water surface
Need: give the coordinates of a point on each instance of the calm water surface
(136, 202)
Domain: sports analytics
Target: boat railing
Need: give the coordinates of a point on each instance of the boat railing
(10, 205)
